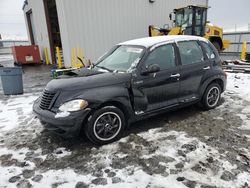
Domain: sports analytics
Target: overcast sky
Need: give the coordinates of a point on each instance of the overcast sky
(224, 13)
(11, 18)
(227, 13)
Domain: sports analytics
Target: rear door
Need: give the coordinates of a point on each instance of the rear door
(194, 66)
(160, 89)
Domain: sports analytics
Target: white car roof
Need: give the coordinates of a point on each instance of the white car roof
(151, 41)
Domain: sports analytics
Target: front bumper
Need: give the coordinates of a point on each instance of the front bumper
(67, 126)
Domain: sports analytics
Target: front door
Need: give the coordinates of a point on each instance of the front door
(157, 90)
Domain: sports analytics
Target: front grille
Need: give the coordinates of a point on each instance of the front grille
(46, 99)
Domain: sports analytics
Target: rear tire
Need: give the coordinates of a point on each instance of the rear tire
(211, 97)
(106, 125)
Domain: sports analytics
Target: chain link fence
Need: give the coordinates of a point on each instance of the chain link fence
(5, 45)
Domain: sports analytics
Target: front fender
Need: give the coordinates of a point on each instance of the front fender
(98, 96)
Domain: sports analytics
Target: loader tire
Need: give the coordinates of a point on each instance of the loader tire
(217, 46)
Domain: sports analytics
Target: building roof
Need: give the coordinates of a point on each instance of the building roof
(151, 41)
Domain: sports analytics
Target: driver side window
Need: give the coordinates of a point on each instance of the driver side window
(164, 56)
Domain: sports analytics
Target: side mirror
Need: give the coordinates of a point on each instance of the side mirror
(170, 16)
(153, 68)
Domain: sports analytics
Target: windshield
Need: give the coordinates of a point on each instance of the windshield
(184, 17)
(123, 58)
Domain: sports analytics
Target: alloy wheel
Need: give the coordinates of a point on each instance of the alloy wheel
(107, 126)
(213, 96)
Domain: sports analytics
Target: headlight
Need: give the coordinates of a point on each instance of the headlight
(73, 105)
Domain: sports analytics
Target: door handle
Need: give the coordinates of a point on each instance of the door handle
(175, 75)
(206, 68)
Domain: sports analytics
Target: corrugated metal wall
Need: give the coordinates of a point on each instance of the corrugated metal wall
(40, 26)
(236, 39)
(96, 25)
(235, 48)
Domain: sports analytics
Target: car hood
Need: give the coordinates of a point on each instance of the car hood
(87, 79)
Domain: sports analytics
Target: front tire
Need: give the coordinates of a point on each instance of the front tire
(211, 96)
(106, 125)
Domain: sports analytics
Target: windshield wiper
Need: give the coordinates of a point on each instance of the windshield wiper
(105, 68)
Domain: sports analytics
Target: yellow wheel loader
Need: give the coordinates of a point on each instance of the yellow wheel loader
(192, 20)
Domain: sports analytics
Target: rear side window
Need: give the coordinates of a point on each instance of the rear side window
(164, 56)
(208, 50)
(190, 52)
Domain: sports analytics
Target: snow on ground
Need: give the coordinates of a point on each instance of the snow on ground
(239, 84)
(165, 156)
(167, 151)
(14, 109)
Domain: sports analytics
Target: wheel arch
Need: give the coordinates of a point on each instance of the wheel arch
(220, 83)
(127, 110)
(114, 103)
(217, 80)
(217, 39)
(118, 105)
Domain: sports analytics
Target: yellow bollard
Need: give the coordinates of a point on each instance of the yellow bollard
(59, 60)
(77, 56)
(74, 58)
(243, 51)
(71, 57)
(46, 56)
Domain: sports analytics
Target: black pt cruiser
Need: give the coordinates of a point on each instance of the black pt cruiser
(134, 80)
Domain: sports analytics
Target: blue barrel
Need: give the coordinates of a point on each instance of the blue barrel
(12, 80)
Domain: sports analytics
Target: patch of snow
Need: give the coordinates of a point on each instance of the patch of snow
(243, 177)
(16, 154)
(169, 148)
(6, 173)
(61, 152)
(15, 110)
(219, 118)
(59, 176)
(239, 83)
(246, 120)
(62, 114)
(49, 177)
(141, 179)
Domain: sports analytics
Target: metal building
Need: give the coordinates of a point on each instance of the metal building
(236, 39)
(93, 25)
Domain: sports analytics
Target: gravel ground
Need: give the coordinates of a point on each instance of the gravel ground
(185, 148)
